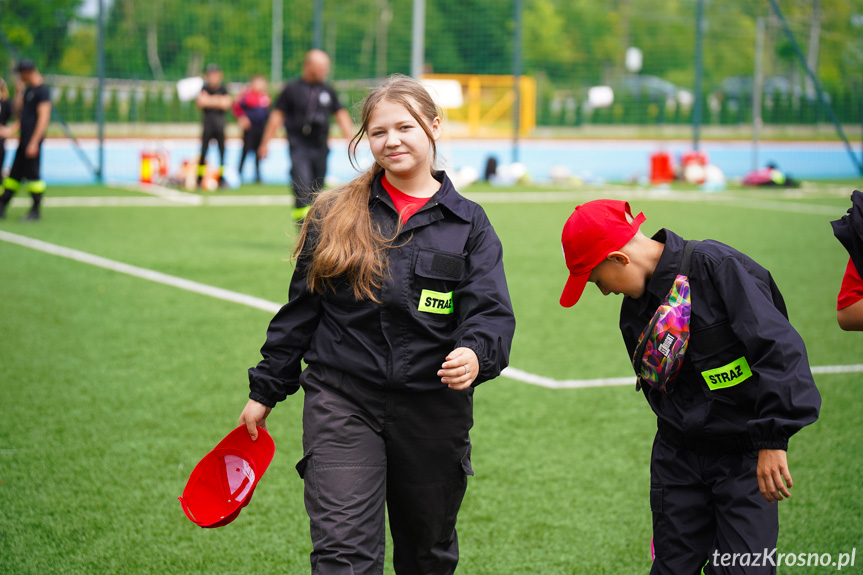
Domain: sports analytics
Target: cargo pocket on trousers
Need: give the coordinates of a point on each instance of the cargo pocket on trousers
(302, 464)
(656, 497)
(456, 495)
(465, 461)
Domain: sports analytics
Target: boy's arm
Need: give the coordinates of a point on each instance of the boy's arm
(771, 472)
(850, 318)
(237, 108)
(203, 100)
(224, 102)
(18, 101)
(240, 113)
(43, 118)
(786, 398)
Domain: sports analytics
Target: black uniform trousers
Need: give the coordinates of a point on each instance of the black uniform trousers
(251, 141)
(24, 168)
(366, 448)
(308, 169)
(706, 504)
(213, 130)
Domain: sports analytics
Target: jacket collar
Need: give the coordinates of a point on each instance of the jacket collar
(446, 197)
(668, 265)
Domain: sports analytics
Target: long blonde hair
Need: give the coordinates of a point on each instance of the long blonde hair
(4, 91)
(338, 234)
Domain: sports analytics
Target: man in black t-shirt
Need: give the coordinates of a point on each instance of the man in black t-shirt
(304, 107)
(213, 101)
(33, 106)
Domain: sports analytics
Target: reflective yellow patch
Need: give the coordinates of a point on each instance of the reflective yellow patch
(436, 302)
(728, 375)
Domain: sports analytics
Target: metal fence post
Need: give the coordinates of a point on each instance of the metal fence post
(277, 41)
(516, 79)
(100, 111)
(699, 72)
(418, 39)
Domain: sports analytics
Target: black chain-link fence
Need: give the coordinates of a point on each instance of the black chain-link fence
(569, 47)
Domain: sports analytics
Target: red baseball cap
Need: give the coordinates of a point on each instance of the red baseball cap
(593, 231)
(223, 481)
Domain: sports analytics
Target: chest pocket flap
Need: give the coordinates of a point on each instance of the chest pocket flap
(437, 274)
(440, 265)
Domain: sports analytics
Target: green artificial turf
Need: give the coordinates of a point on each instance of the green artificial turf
(113, 387)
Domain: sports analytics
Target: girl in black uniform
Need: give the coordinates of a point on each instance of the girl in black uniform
(399, 306)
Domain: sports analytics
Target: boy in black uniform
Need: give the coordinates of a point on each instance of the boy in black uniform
(304, 107)
(725, 414)
(213, 101)
(33, 105)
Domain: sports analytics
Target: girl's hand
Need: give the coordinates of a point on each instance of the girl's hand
(254, 415)
(460, 368)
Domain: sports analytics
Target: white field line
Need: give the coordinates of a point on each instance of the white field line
(154, 201)
(273, 307)
(161, 196)
(99, 202)
(161, 192)
(142, 273)
(541, 381)
(533, 379)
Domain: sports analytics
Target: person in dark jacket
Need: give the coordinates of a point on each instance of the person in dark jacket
(742, 389)
(304, 108)
(252, 108)
(400, 308)
(849, 231)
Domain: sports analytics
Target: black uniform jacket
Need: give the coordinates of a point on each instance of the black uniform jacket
(849, 230)
(307, 109)
(745, 379)
(446, 289)
(214, 116)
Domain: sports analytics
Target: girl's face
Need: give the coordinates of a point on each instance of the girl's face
(398, 143)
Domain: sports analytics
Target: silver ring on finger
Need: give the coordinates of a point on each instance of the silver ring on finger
(465, 369)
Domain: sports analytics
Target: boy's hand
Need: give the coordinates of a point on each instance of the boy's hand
(460, 368)
(32, 150)
(771, 471)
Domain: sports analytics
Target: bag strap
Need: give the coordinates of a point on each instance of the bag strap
(686, 260)
(682, 270)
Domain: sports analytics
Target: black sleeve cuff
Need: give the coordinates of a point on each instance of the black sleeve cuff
(771, 444)
(261, 399)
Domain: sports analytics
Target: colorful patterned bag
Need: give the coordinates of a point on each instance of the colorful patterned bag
(662, 345)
